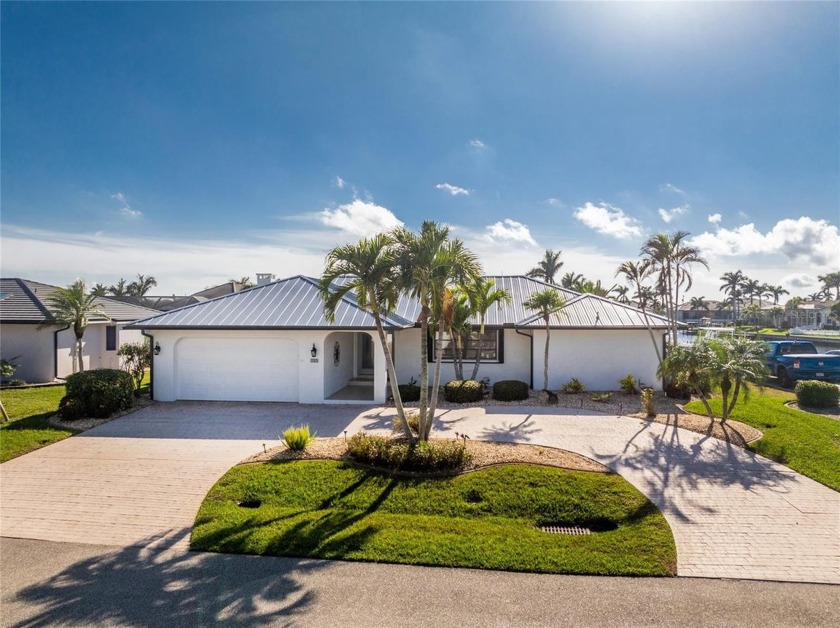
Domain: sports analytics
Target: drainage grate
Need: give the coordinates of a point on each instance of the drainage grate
(565, 530)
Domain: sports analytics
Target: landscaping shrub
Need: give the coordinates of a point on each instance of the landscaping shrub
(814, 394)
(70, 409)
(463, 391)
(573, 386)
(100, 393)
(628, 384)
(604, 397)
(510, 390)
(435, 456)
(298, 437)
(413, 419)
(15, 383)
(647, 402)
(410, 391)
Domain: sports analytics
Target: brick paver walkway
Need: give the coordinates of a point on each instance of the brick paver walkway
(733, 514)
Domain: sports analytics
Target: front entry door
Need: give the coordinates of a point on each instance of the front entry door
(367, 353)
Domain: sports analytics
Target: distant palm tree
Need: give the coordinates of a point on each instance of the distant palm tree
(635, 274)
(831, 280)
(621, 293)
(776, 312)
(99, 290)
(245, 282)
(751, 288)
(776, 292)
(588, 287)
(699, 304)
(548, 267)
(120, 289)
(732, 286)
(140, 287)
(74, 306)
(815, 296)
(368, 271)
(572, 281)
(545, 303)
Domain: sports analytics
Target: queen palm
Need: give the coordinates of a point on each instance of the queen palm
(635, 274)
(751, 288)
(829, 281)
(548, 267)
(456, 321)
(732, 286)
(140, 287)
(621, 293)
(776, 292)
(74, 306)
(482, 294)
(367, 269)
(545, 303)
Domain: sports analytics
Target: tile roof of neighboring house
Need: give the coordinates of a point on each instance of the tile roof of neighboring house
(25, 301)
(294, 303)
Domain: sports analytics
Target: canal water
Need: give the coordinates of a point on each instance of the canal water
(686, 339)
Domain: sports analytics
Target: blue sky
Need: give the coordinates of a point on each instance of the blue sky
(202, 141)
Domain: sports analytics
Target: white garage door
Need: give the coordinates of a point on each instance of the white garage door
(231, 369)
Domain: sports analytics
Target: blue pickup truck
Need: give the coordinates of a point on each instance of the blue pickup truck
(792, 360)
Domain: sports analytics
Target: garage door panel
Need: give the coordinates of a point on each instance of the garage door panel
(229, 369)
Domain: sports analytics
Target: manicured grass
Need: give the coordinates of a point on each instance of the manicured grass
(27, 429)
(807, 443)
(486, 519)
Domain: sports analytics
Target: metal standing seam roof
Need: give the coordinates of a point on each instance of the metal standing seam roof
(590, 311)
(26, 302)
(292, 303)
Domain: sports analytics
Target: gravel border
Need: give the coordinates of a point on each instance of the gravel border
(83, 425)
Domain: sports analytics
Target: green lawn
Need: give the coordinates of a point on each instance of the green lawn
(27, 429)
(807, 443)
(486, 519)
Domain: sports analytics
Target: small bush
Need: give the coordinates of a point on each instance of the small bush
(394, 454)
(298, 437)
(647, 402)
(101, 392)
(814, 394)
(573, 387)
(409, 392)
(628, 384)
(605, 397)
(463, 391)
(70, 409)
(510, 390)
(413, 419)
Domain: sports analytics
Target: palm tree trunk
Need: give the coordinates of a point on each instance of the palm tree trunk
(392, 378)
(436, 388)
(424, 365)
(79, 354)
(732, 403)
(480, 350)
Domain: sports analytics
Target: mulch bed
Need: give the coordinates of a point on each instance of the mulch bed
(82, 425)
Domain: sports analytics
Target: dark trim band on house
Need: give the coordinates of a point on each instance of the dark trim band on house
(531, 353)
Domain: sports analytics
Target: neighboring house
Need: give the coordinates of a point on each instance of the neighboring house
(810, 314)
(273, 343)
(46, 353)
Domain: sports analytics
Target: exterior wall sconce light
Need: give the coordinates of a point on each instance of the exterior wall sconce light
(157, 348)
(314, 351)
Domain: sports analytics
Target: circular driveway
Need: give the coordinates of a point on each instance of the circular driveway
(141, 478)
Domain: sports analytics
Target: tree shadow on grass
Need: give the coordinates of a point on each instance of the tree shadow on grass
(158, 585)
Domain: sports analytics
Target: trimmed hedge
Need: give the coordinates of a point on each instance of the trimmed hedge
(814, 394)
(434, 457)
(463, 391)
(97, 394)
(510, 390)
(409, 392)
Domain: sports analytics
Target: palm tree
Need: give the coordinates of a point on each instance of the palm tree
(752, 311)
(571, 281)
(428, 264)
(776, 312)
(776, 292)
(368, 271)
(120, 289)
(831, 280)
(671, 258)
(456, 321)
(732, 286)
(545, 303)
(621, 293)
(141, 286)
(245, 282)
(740, 362)
(74, 306)
(690, 366)
(99, 290)
(751, 288)
(635, 274)
(815, 296)
(482, 294)
(548, 267)
(699, 304)
(588, 287)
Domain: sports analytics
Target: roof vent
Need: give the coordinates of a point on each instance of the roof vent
(264, 278)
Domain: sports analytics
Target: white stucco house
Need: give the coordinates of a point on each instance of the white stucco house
(273, 343)
(45, 352)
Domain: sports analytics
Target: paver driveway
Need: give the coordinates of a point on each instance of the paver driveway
(733, 514)
(142, 477)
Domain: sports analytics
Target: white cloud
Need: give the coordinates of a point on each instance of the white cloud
(510, 230)
(609, 220)
(555, 202)
(339, 182)
(478, 144)
(454, 190)
(130, 213)
(668, 215)
(667, 187)
(715, 219)
(815, 242)
(360, 218)
(119, 196)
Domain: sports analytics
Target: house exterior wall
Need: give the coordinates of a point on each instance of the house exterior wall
(336, 376)
(311, 379)
(516, 363)
(598, 358)
(35, 350)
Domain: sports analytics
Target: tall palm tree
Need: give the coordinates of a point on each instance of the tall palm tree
(671, 257)
(776, 292)
(456, 321)
(590, 287)
(751, 288)
(548, 267)
(732, 286)
(99, 290)
(571, 281)
(368, 271)
(74, 306)
(816, 296)
(120, 289)
(698, 304)
(482, 295)
(829, 281)
(140, 287)
(635, 274)
(621, 293)
(428, 264)
(776, 312)
(545, 303)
